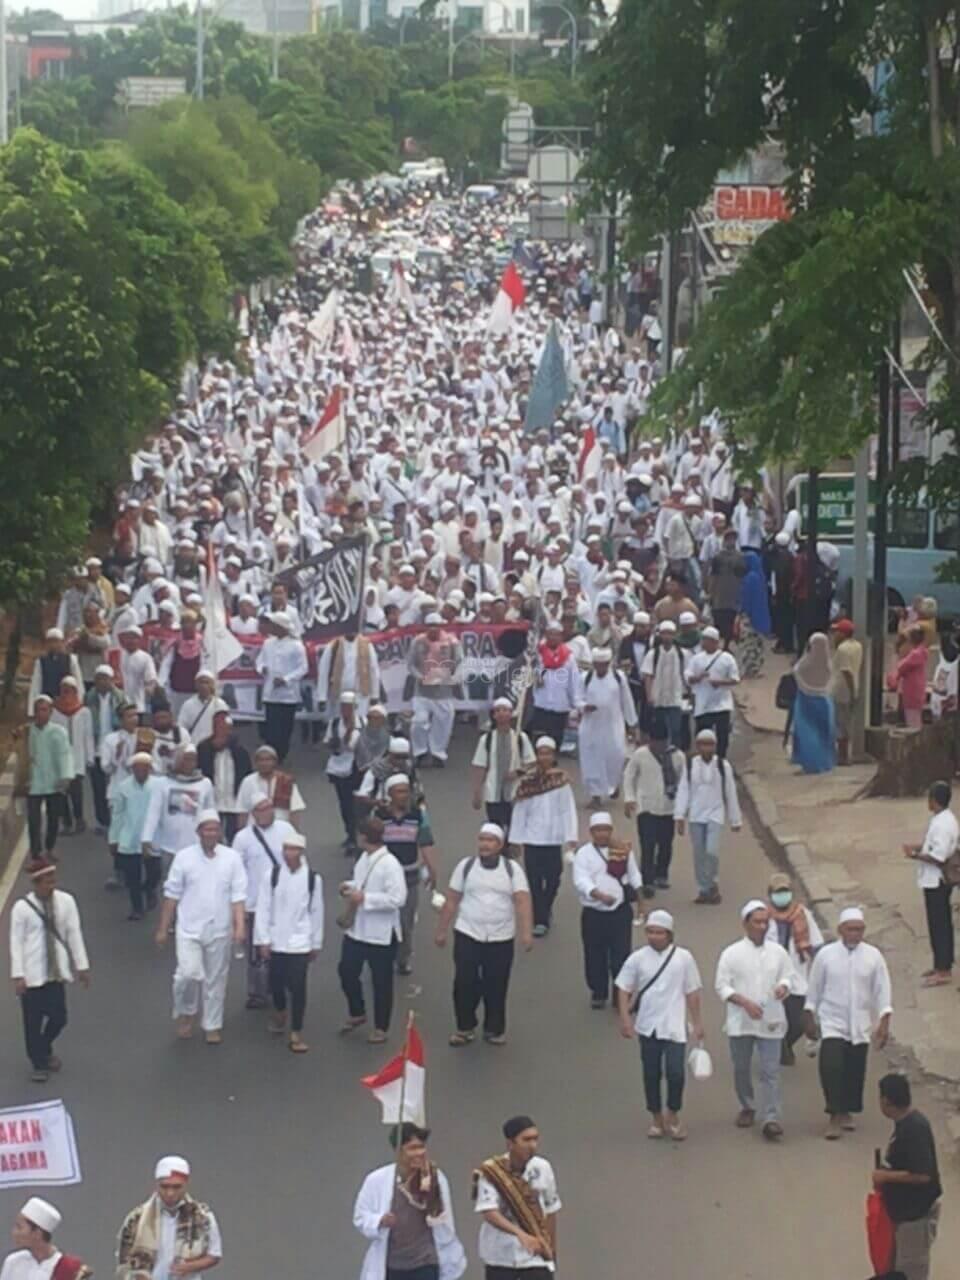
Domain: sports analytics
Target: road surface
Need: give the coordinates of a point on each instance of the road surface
(279, 1143)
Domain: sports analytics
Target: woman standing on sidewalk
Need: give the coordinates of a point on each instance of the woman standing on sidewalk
(754, 622)
(939, 843)
(814, 739)
(909, 676)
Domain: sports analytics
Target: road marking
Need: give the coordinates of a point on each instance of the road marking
(14, 867)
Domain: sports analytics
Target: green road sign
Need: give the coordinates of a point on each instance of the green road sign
(835, 507)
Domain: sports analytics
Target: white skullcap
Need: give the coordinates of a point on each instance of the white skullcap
(281, 620)
(399, 746)
(433, 620)
(492, 829)
(691, 500)
(640, 618)
(659, 920)
(42, 1214)
(520, 554)
(851, 915)
(545, 741)
(407, 568)
(782, 539)
(706, 735)
(687, 618)
(710, 633)
(503, 702)
(600, 820)
(53, 633)
(68, 680)
(396, 780)
(131, 631)
(375, 709)
(667, 628)
(171, 1167)
(204, 674)
(755, 904)
(141, 757)
(295, 841)
(601, 655)
(43, 697)
(206, 815)
(104, 669)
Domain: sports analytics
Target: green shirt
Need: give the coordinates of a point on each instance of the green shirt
(51, 759)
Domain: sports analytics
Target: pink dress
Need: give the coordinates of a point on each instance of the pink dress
(911, 677)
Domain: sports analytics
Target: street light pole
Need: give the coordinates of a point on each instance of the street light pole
(275, 70)
(198, 86)
(450, 44)
(4, 124)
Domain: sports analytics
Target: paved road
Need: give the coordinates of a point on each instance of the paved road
(279, 1144)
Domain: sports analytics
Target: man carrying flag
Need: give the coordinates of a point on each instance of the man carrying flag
(329, 433)
(509, 298)
(516, 1194)
(406, 1212)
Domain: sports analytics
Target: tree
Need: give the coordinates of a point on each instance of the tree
(685, 87)
(72, 396)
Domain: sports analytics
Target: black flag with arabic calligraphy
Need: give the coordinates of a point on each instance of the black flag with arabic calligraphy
(328, 589)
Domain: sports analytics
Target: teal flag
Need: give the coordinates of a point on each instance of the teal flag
(550, 388)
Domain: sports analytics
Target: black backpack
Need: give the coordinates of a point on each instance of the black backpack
(503, 858)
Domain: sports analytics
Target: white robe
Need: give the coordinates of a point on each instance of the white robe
(603, 736)
(375, 1198)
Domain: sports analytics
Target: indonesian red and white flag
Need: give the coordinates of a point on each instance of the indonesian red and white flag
(510, 297)
(399, 290)
(591, 455)
(329, 433)
(221, 648)
(387, 1085)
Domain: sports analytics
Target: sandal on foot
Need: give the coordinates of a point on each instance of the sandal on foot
(460, 1038)
(377, 1037)
(351, 1024)
(297, 1045)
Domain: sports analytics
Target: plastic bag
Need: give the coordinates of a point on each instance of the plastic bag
(700, 1063)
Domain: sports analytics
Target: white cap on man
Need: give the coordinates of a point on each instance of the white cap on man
(42, 1214)
(492, 829)
(851, 915)
(659, 920)
(600, 819)
(169, 1167)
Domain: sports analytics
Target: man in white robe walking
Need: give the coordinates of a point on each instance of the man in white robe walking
(606, 712)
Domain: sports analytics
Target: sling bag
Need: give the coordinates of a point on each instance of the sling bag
(635, 1002)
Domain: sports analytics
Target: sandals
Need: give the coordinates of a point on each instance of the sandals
(377, 1037)
(936, 980)
(296, 1044)
(460, 1038)
(351, 1024)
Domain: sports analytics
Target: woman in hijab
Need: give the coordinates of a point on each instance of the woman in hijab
(754, 622)
(814, 718)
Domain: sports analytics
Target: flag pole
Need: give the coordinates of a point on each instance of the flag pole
(405, 1053)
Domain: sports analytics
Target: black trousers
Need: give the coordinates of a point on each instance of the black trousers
(231, 825)
(500, 812)
(843, 1068)
(552, 723)
(54, 805)
(73, 802)
(276, 729)
(345, 787)
(140, 873)
(725, 621)
(719, 722)
(793, 1008)
(662, 1058)
(98, 785)
(544, 867)
(288, 977)
(784, 624)
(44, 1017)
(430, 1271)
(606, 945)
(940, 926)
(656, 846)
(481, 971)
(353, 956)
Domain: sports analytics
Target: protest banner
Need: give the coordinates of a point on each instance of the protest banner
(38, 1146)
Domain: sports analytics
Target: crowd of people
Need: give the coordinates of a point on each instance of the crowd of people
(649, 575)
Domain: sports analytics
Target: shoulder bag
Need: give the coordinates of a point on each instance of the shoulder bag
(348, 912)
(635, 1002)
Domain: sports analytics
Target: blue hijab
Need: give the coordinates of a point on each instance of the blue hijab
(753, 594)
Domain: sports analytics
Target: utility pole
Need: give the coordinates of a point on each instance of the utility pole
(861, 620)
(4, 124)
(878, 621)
(198, 86)
(275, 70)
(812, 526)
(450, 44)
(666, 303)
(611, 262)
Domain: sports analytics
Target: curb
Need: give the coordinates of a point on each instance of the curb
(795, 857)
(12, 820)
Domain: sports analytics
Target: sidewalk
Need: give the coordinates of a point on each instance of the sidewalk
(846, 851)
